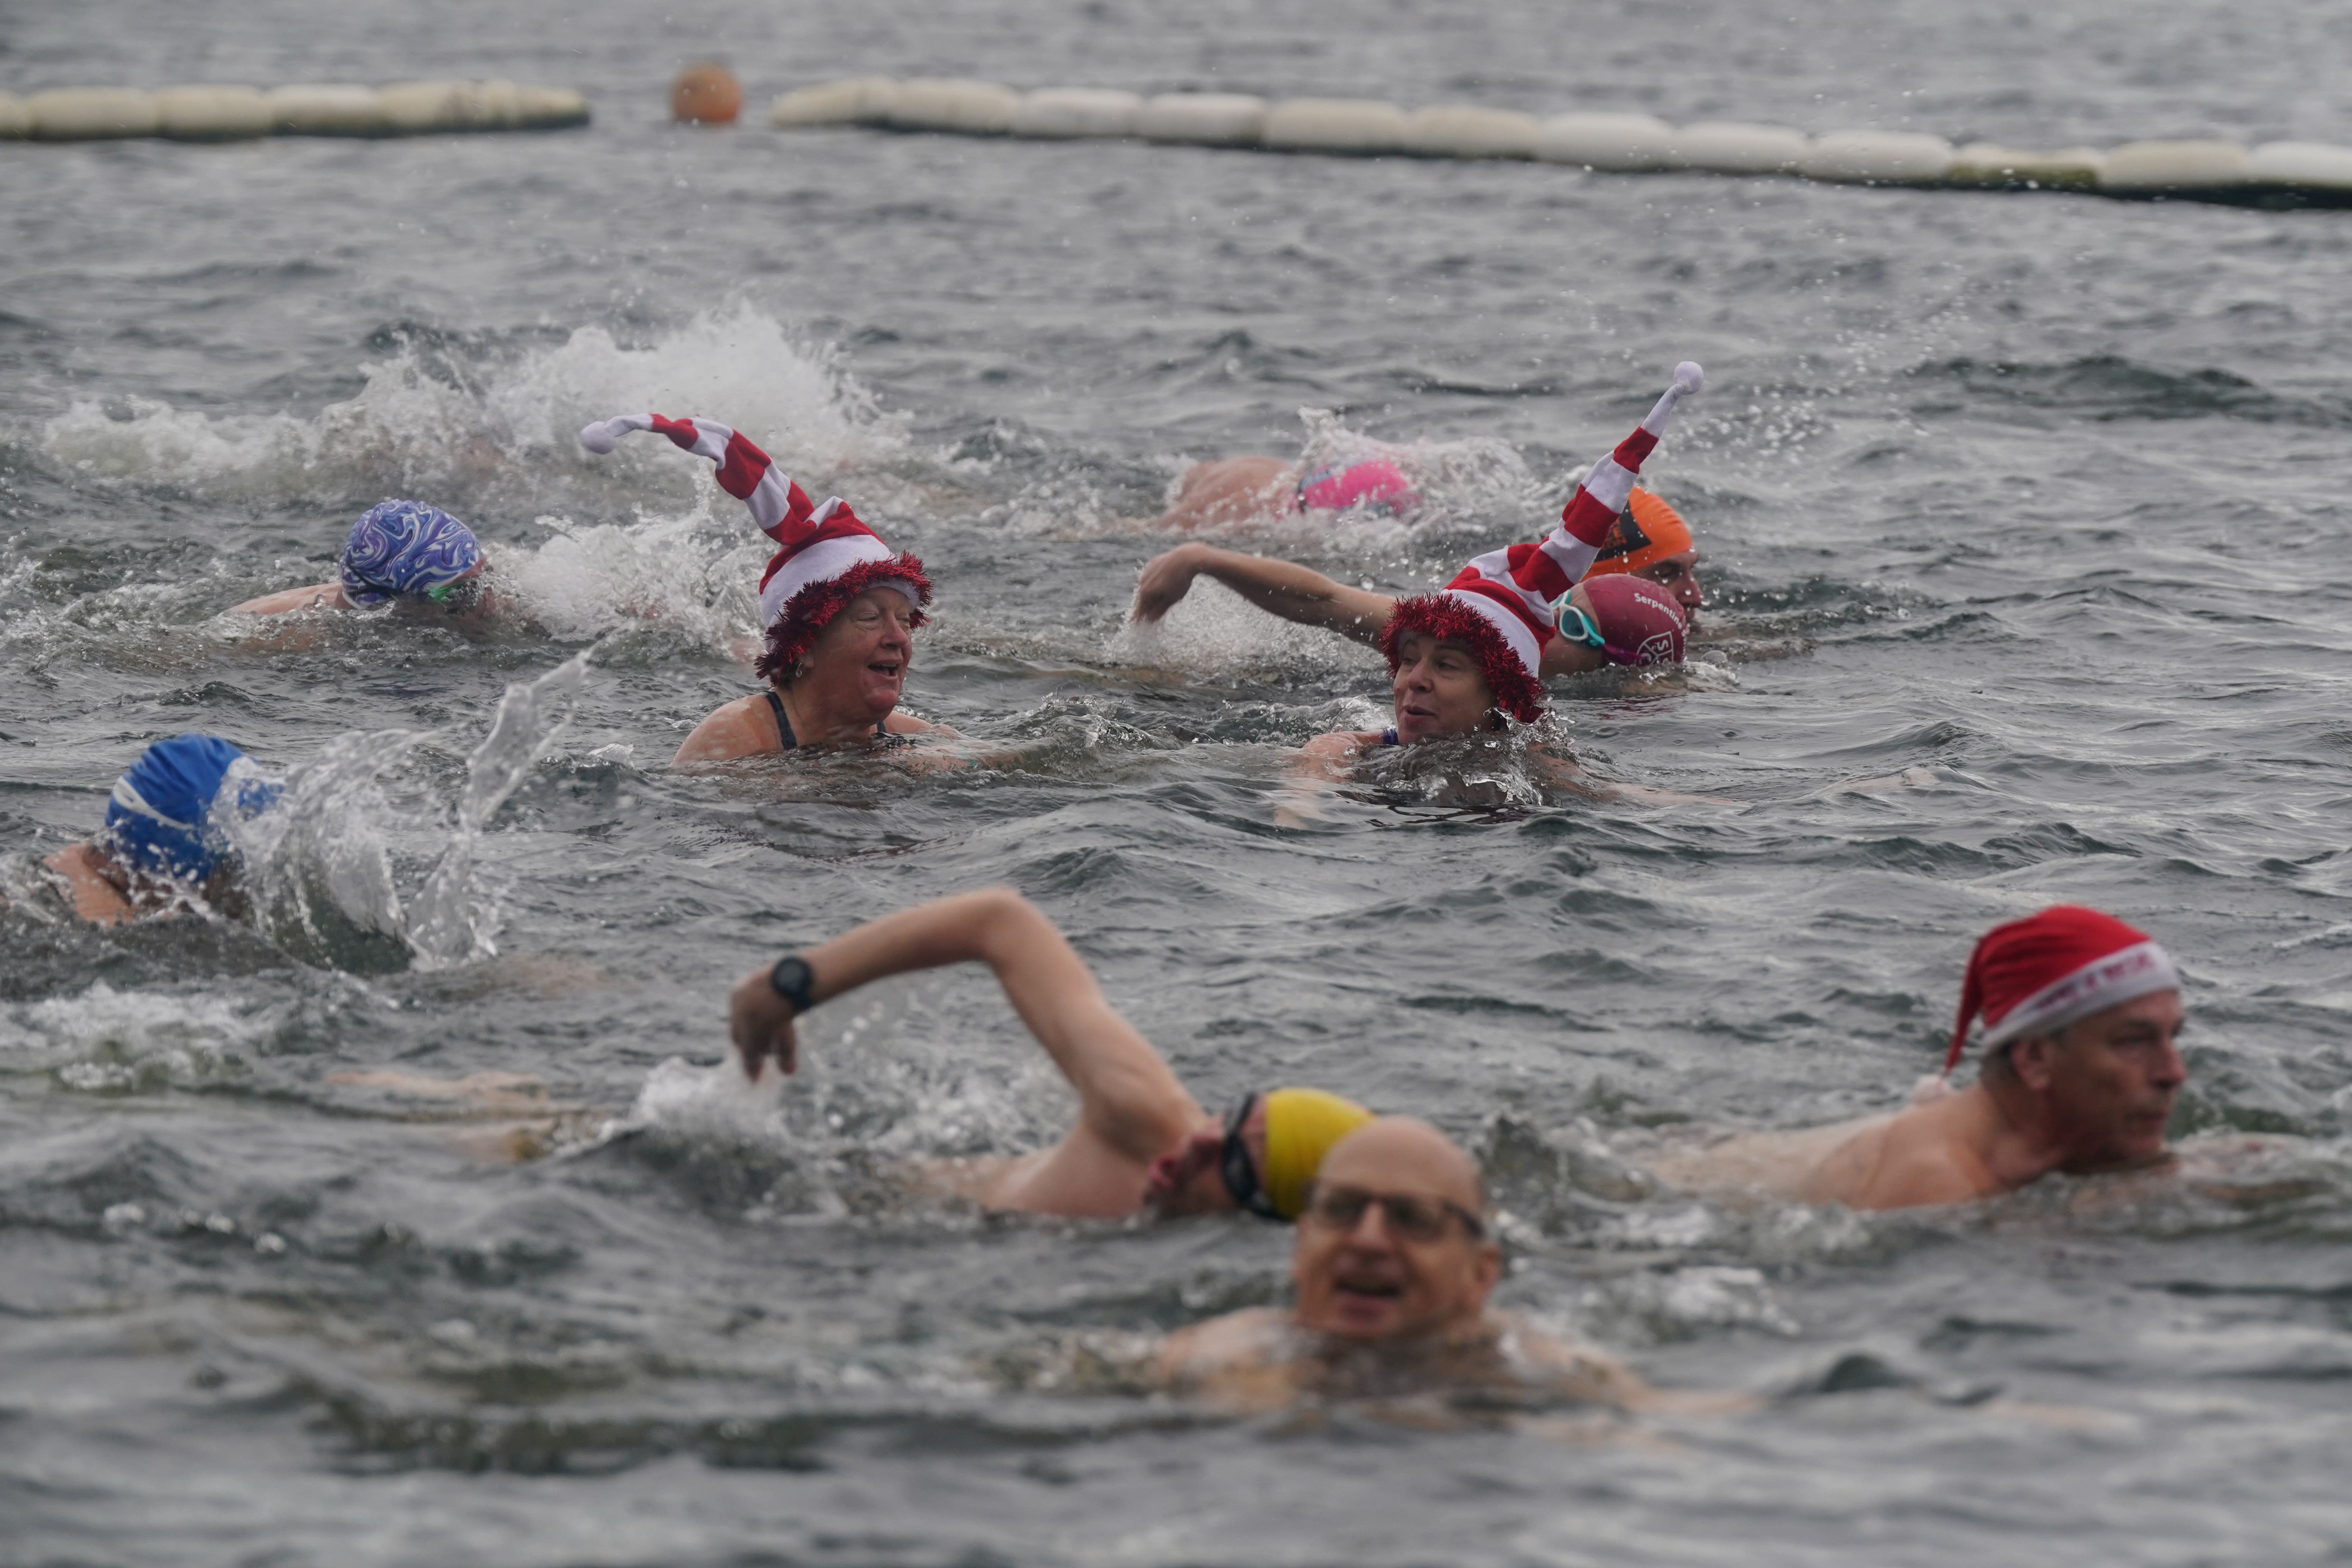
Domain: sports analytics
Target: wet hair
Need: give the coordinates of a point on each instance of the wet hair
(792, 635)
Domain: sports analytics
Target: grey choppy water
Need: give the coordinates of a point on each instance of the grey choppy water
(2039, 498)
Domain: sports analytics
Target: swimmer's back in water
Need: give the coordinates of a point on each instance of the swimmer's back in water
(2081, 1067)
(1225, 490)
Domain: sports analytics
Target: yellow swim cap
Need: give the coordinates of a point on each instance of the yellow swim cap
(1301, 1125)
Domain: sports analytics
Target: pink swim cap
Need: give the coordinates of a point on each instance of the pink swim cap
(1373, 483)
(1641, 620)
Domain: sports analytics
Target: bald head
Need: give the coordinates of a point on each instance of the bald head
(1394, 1244)
(1405, 1153)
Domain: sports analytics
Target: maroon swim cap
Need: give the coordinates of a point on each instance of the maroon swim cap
(1641, 620)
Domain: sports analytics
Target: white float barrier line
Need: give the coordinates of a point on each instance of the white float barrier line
(2276, 174)
(232, 114)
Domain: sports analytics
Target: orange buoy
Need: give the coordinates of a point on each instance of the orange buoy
(706, 94)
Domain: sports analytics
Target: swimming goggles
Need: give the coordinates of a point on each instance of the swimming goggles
(1585, 633)
(460, 593)
(1235, 1164)
(1411, 1217)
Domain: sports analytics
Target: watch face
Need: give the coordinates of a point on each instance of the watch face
(792, 978)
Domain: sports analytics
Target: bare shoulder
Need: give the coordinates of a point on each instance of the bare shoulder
(742, 728)
(1238, 1342)
(1341, 745)
(1910, 1160)
(291, 601)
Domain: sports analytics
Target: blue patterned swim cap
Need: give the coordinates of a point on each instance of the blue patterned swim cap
(165, 817)
(405, 549)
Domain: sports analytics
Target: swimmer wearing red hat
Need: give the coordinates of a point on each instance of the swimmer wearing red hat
(1627, 555)
(2082, 1064)
(838, 609)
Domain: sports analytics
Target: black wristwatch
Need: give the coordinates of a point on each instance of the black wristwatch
(793, 979)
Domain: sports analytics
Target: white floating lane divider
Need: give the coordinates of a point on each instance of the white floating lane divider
(966, 108)
(1359, 127)
(1608, 143)
(861, 100)
(226, 113)
(2161, 168)
(1728, 147)
(2279, 174)
(1877, 158)
(326, 110)
(1991, 167)
(1204, 118)
(16, 120)
(91, 113)
(213, 114)
(1463, 131)
(2308, 166)
(1069, 112)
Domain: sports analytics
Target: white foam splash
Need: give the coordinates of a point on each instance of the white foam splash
(438, 423)
(109, 1041)
(715, 1102)
(1214, 629)
(326, 868)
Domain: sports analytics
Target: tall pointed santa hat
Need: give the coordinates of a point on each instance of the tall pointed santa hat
(825, 556)
(1500, 606)
(2041, 973)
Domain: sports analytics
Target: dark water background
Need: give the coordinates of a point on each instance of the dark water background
(2035, 503)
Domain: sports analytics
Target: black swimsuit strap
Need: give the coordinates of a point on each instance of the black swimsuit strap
(783, 719)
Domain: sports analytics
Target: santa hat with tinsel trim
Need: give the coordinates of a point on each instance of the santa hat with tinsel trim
(2039, 975)
(1499, 606)
(826, 556)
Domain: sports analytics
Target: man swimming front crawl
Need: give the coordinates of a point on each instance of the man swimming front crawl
(2081, 1023)
(1141, 1141)
(399, 551)
(165, 835)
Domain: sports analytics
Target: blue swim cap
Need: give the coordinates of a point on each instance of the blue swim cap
(404, 549)
(165, 817)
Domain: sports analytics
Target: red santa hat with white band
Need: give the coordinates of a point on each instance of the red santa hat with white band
(2039, 975)
(826, 555)
(1500, 605)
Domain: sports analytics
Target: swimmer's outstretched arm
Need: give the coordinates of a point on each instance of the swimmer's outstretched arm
(1128, 1097)
(1279, 587)
(290, 601)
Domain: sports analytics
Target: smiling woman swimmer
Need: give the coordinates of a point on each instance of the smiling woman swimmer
(839, 610)
(402, 553)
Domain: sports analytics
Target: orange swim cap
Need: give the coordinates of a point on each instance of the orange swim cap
(1646, 532)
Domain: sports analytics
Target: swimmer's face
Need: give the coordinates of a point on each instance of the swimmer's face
(2109, 1081)
(1678, 576)
(861, 657)
(1188, 1178)
(1368, 1279)
(1439, 689)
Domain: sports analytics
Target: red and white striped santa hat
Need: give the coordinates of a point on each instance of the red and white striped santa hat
(825, 556)
(1500, 605)
(2039, 975)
